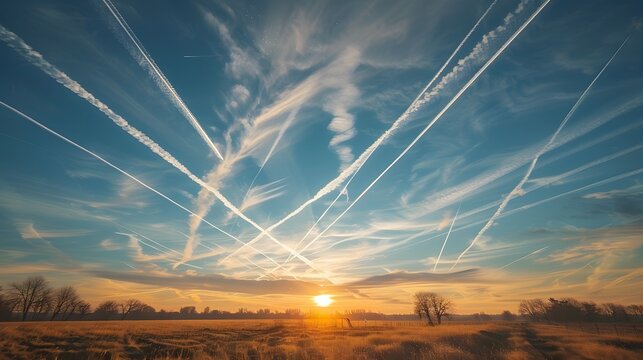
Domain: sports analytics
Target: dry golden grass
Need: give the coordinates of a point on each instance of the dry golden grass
(311, 339)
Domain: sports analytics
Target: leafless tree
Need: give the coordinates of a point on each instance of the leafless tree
(615, 311)
(30, 295)
(82, 309)
(43, 304)
(126, 307)
(534, 309)
(107, 309)
(65, 302)
(636, 311)
(79, 307)
(422, 306)
(440, 305)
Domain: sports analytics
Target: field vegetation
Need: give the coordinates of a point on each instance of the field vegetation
(314, 339)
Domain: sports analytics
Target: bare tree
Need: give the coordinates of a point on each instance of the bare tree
(534, 309)
(65, 301)
(591, 312)
(615, 311)
(422, 306)
(129, 306)
(30, 295)
(440, 305)
(79, 307)
(635, 311)
(42, 304)
(107, 309)
(83, 308)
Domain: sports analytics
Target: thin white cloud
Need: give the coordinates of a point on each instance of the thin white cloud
(260, 194)
(282, 130)
(109, 244)
(602, 195)
(518, 190)
(437, 261)
(353, 168)
(89, 152)
(240, 95)
(28, 231)
(523, 257)
(145, 60)
(435, 119)
(241, 63)
(38, 60)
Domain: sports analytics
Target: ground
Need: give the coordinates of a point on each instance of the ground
(316, 339)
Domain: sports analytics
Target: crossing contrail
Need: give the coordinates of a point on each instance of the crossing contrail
(167, 254)
(39, 61)
(280, 134)
(519, 209)
(167, 249)
(518, 188)
(80, 147)
(146, 61)
(524, 257)
(353, 168)
(445, 240)
(342, 192)
(435, 119)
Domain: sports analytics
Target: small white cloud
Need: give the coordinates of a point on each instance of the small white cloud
(29, 232)
(240, 93)
(109, 244)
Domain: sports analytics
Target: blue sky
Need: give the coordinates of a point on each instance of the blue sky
(221, 120)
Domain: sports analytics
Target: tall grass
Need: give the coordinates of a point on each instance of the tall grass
(308, 339)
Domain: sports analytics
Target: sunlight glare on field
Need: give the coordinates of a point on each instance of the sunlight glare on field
(323, 300)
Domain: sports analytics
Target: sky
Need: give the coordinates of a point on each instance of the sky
(255, 154)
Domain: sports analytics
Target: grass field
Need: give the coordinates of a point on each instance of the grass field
(310, 339)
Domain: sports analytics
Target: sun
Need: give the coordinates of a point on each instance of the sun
(323, 300)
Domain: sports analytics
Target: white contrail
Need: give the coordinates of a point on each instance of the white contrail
(435, 119)
(342, 192)
(280, 134)
(177, 255)
(38, 60)
(71, 142)
(200, 56)
(353, 168)
(519, 209)
(167, 254)
(150, 240)
(570, 273)
(146, 61)
(445, 240)
(582, 188)
(524, 257)
(518, 188)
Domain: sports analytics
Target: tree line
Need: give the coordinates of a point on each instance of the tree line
(572, 310)
(35, 300)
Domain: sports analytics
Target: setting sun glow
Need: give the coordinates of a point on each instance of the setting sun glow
(323, 300)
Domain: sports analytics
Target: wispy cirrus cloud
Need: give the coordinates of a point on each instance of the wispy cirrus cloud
(145, 60)
(28, 231)
(297, 93)
(38, 60)
(518, 190)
